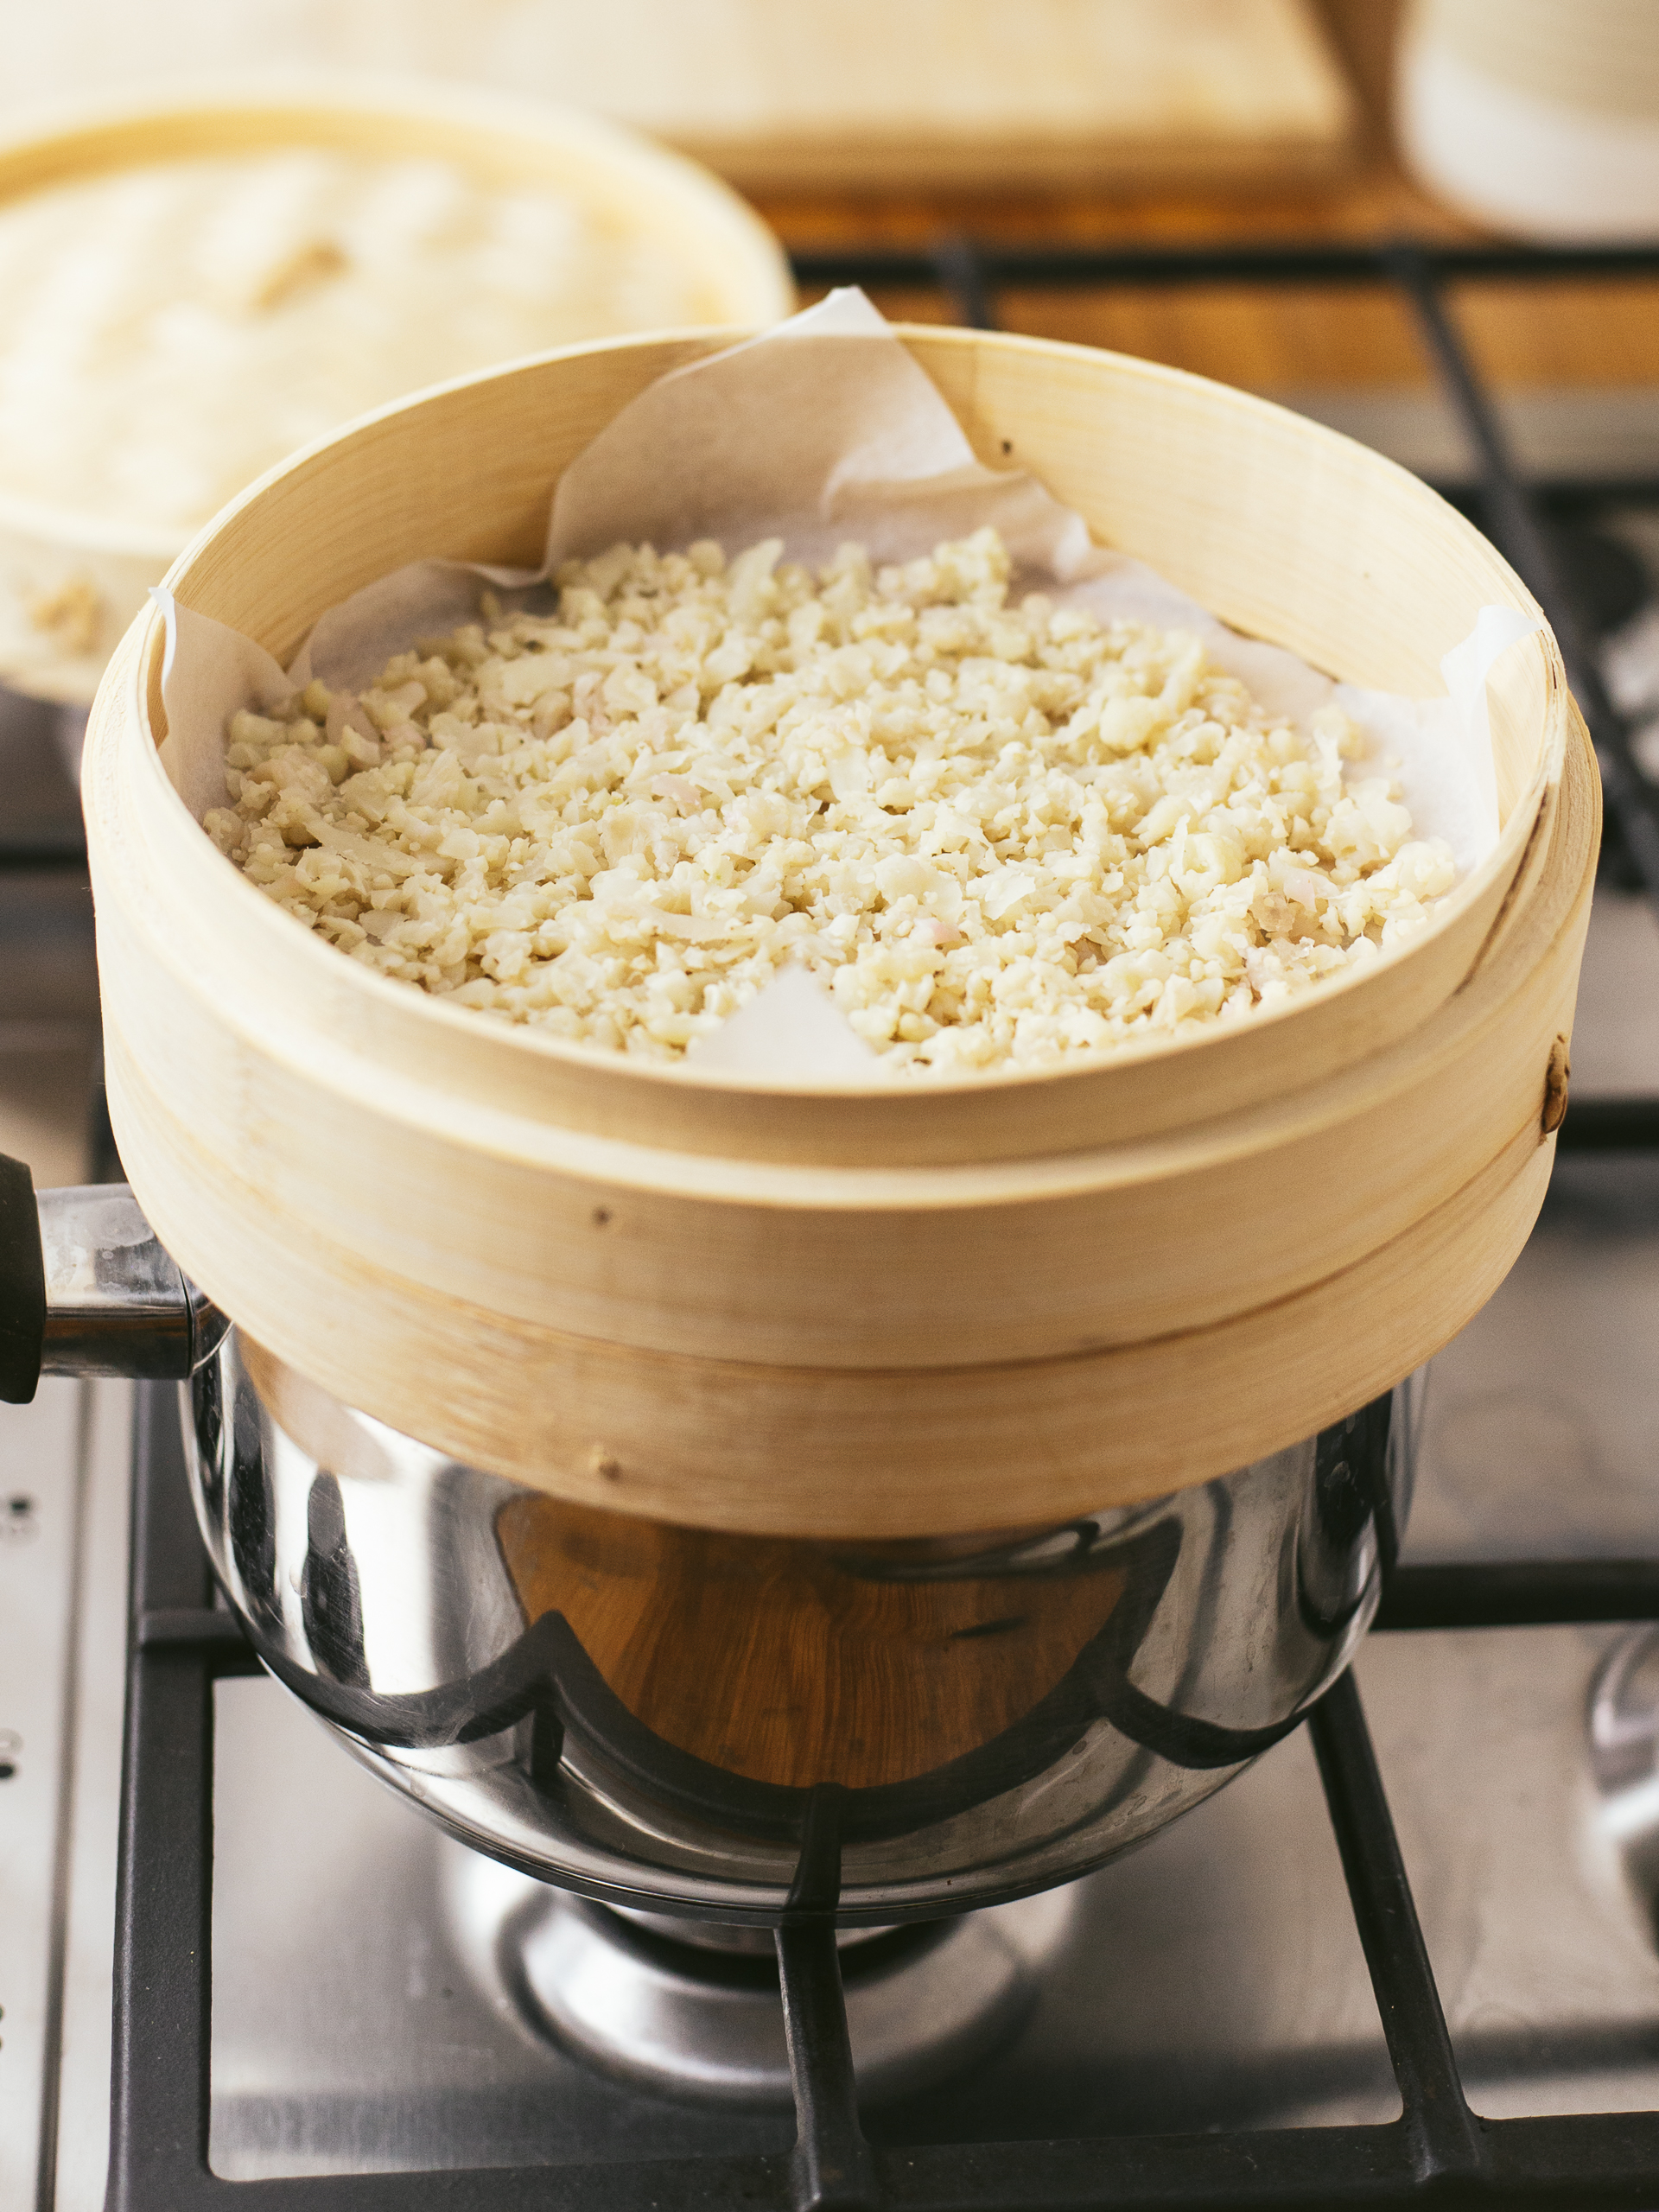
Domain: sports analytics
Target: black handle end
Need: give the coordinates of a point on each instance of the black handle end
(23, 1285)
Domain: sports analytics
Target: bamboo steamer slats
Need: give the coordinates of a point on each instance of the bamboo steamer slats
(942, 1307)
(829, 1452)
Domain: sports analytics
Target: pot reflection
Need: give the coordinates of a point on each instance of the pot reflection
(791, 1663)
(721, 1724)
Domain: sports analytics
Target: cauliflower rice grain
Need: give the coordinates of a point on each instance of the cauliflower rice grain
(998, 834)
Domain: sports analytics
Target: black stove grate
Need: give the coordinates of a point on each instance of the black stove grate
(1437, 2153)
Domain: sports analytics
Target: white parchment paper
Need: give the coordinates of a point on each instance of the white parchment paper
(821, 430)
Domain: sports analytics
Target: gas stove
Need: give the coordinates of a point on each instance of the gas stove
(367, 2017)
(1412, 1947)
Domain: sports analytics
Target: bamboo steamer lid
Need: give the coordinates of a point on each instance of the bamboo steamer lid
(74, 580)
(936, 1307)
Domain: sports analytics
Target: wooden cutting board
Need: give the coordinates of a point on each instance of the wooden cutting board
(789, 94)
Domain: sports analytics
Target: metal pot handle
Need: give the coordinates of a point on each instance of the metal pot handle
(87, 1288)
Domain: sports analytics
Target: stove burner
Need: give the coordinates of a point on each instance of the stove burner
(1624, 1730)
(693, 2010)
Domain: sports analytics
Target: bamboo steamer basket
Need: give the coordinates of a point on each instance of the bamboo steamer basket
(97, 568)
(928, 1308)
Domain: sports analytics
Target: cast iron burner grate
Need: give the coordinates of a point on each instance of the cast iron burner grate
(1438, 2151)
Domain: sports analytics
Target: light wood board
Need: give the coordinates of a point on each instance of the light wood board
(797, 93)
(786, 92)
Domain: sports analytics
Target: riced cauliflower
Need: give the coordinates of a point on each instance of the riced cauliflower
(998, 834)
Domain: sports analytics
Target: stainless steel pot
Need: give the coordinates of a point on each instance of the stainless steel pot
(724, 1727)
